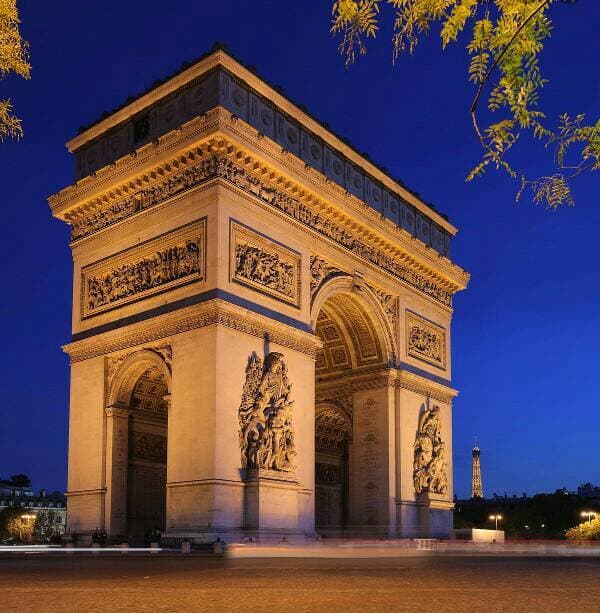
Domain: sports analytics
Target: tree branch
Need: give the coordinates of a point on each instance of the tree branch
(495, 65)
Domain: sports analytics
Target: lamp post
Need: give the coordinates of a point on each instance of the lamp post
(27, 517)
(495, 518)
(589, 515)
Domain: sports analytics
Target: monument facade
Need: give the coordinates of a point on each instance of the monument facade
(261, 325)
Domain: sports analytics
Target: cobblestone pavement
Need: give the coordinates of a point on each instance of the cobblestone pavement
(163, 582)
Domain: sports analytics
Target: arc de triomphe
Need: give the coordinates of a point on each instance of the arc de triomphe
(261, 325)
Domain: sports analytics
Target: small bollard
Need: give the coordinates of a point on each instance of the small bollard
(124, 547)
(95, 547)
(154, 547)
(218, 546)
(186, 547)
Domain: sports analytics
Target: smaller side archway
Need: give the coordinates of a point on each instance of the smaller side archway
(333, 441)
(130, 370)
(138, 402)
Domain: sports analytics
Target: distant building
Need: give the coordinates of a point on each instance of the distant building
(50, 508)
(587, 490)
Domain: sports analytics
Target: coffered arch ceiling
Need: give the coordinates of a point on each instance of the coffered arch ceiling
(349, 335)
(149, 393)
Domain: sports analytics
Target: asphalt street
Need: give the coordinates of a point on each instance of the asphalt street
(41, 582)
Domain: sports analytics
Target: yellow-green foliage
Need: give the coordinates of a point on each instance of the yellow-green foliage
(14, 57)
(14, 525)
(506, 39)
(587, 531)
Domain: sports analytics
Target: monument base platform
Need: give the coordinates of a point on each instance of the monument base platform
(435, 515)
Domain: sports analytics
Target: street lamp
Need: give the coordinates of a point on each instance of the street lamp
(589, 515)
(496, 518)
(26, 517)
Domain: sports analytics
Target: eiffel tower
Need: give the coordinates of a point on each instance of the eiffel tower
(476, 486)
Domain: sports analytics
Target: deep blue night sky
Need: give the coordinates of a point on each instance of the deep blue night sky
(526, 335)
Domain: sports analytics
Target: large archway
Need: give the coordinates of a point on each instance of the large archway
(356, 343)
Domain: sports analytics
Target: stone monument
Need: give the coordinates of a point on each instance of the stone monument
(261, 325)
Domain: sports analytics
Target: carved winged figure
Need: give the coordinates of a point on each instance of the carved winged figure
(266, 433)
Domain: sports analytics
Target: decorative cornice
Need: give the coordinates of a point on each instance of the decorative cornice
(382, 378)
(313, 187)
(212, 312)
(421, 385)
(222, 59)
(323, 223)
(146, 166)
(117, 412)
(218, 130)
(95, 492)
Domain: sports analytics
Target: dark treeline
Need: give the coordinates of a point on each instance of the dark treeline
(543, 516)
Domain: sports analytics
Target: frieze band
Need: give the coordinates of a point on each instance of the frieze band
(144, 270)
(221, 167)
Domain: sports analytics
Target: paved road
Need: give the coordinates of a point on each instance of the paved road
(195, 583)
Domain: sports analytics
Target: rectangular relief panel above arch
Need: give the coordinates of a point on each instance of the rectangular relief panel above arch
(425, 340)
(158, 265)
(264, 265)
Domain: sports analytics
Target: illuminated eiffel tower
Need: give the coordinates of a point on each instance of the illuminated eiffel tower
(476, 486)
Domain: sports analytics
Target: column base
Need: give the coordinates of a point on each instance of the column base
(271, 502)
(435, 516)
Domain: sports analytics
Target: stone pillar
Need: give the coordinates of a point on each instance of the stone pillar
(117, 448)
(428, 515)
(209, 494)
(373, 462)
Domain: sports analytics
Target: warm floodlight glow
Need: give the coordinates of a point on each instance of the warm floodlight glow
(497, 517)
(589, 515)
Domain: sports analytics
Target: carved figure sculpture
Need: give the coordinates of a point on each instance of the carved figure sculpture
(255, 264)
(266, 433)
(426, 342)
(429, 466)
(157, 269)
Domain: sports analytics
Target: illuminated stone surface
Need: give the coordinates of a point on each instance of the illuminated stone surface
(244, 319)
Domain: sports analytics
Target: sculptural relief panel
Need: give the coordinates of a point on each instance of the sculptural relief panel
(148, 447)
(158, 265)
(429, 466)
(264, 265)
(425, 340)
(265, 416)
